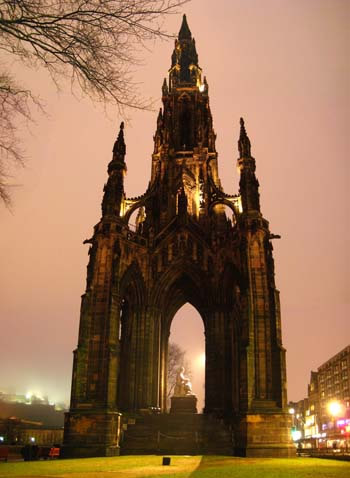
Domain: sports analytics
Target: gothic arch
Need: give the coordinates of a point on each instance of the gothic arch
(231, 281)
(173, 281)
(132, 299)
(133, 276)
(133, 207)
(224, 202)
(182, 283)
(185, 123)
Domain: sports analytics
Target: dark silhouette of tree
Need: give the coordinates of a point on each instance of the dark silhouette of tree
(176, 360)
(92, 42)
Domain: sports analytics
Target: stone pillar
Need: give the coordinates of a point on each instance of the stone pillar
(93, 432)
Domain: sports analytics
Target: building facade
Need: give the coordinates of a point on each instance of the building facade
(184, 248)
(16, 431)
(323, 418)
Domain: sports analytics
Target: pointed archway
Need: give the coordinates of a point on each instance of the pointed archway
(187, 331)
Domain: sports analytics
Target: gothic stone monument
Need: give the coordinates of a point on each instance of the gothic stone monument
(184, 249)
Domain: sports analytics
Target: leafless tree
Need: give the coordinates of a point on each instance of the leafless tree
(176, 360)
(14, 104)
(92, 42)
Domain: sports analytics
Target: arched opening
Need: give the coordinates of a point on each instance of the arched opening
(130, 372)
(137, 219)
(187, 332)
(229, 214)
(185, 125)
(224, 216)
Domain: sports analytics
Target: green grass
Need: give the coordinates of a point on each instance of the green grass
(181, 467)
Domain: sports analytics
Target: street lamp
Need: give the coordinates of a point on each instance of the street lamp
(334, 409)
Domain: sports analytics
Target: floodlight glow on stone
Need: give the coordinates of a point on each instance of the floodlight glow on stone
(201, 360)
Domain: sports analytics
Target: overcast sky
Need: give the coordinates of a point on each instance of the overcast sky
(281, 64)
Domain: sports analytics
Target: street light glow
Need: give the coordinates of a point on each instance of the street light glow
(296, 435)
(334, 408)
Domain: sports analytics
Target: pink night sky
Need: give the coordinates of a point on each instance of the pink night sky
(284, 66)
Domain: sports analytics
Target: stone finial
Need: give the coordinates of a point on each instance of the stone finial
(119, 146)
(165, 89)
(243, 142)
(185, 32)
(160, 117)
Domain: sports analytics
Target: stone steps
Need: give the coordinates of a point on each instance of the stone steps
(177, 434)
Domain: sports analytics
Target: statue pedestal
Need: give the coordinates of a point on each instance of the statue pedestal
(187, 404)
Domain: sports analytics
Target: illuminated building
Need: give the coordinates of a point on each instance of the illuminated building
(18, 431)
(324, 416)
(334, 382)
(191, 243)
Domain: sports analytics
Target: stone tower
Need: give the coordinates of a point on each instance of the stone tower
(183, 248)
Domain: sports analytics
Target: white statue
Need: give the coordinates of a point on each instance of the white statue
(183, 386)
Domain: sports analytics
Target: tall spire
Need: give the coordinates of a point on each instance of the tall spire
(184, 60)
(114, 189)
(248, 184)
(243, 142)
(186, 122)
(119, 146)
(185, 32)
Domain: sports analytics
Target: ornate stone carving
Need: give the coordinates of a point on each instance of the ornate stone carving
(183, 249)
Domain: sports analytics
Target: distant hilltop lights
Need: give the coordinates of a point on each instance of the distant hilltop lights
(35, 396)
(31, 398)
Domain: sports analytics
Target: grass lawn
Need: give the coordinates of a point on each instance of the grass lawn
(181, 467)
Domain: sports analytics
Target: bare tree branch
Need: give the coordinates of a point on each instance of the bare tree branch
(93, 42)
(15, 104)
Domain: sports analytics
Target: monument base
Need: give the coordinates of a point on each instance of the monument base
(90, 433)
(187, 404)
(264, 435)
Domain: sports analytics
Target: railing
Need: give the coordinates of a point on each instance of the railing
(333, 453)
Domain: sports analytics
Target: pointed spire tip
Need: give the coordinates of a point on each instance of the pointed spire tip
(243, 142)
(119, 145)
(185, 32)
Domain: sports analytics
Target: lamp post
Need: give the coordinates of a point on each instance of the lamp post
(296, 434)
(334, 409)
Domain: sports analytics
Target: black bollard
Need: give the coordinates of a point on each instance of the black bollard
(166, 460)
